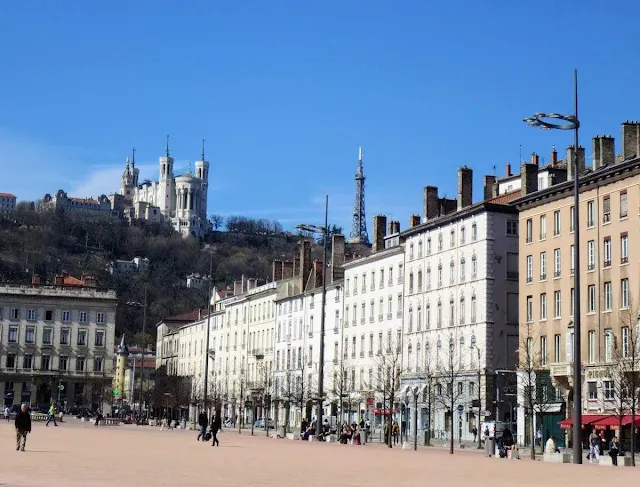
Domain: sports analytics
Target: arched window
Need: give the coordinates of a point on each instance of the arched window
(452, 272)
(452, 239)
(462, 270)
(419, 249)
(418, 357)
(439, 275)
(428, 278)
(439, 242)
(452, 312)
(419, 281)
(427, 316)
(411, 283)
(419, 318)
(410, 319)
(429, 246)
(439, 315)
(409, 357)
(473, 308)
(461, 311)
(474, 267)
(462, 235)
(474, 232)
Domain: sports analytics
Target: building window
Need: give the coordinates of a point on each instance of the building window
(439, 315)
(100, 318)
(45, 362)
(13, 334)
(461, 313)
(625, 341)
(529, 230)
(557, 304)
(82, 317)
(63, 362)
(529, 268)
(529, 309)
(452, 273)
(591, 298)
(462, 270)
(591, 255)
(543, 266)
(30, 335)
(97, 364)
(11, 361)
(556, 223)
(543, 227)
(474, 267)
(27, 361)
(429, 246)
(572, 219)
(624, 293)
(47, 336)
(573, 301)
(592, 346)
(543, 350)
(66, 316)
(82, 337)
(607, 296)
(607, 251)
(420, 249)
(474, 232)
(439, 242)
(609, 392)
(80, 364)
(512, 228)
(411, 283)
(411, 252)
(439, 275)
(452, 239)
(100, 338)
(32, 315)
(64, 336)
(624, 248)
(623, 204)
(462, 235)
(473, 309)
(557, 263)
(48, 315)
(14, 314)
(452, 312)
(556, 349)
(543, 306)
(608, 345)
(427, 317)
(590, 214)
(606, 209)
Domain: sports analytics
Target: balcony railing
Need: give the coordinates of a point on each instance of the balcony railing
(258, 353)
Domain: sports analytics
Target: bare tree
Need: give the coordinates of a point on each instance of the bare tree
(388, 362)
(343, 384)
(217, 221)
(625, 370)
(296, 388)
(448, 384)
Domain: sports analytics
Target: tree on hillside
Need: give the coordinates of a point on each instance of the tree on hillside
(217, 221)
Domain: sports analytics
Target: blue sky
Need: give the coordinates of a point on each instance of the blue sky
(284, 92)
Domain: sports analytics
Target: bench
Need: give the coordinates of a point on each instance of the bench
(606, 461)
(557, 457)
(109, 422)
(39, 417)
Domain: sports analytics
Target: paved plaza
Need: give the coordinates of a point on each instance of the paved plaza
(77, 454)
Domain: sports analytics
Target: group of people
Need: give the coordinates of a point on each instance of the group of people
(596, 447)
(212, 434)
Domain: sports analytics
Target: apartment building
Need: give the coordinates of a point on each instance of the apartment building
(609, 274)
(461, 306)
(57, 335)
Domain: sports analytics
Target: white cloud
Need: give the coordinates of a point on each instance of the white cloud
(104, 179)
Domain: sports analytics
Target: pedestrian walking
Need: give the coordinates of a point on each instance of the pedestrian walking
(474, 431)
(215, 427)
(594, 446)
(487, 442)
(23, 427)
(203, 422)
(7, 413)
(52, 415)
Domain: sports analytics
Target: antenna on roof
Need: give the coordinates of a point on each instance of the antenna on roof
(520, 153)
(494, 170)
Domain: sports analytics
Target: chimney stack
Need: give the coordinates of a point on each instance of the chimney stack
(465, 187)
(529, 177)
(287, 269)
(630, 139)
(244, 283)
(35, 280)
(59, 280)
(237, 288)
(603, 151)
(276, 270)
(571, 158)
(508, 170)
(318, 269)
(337, 257)
(430, 202)
(489, 183)
(535, 158)
(414, 221)
(251, 283)
(305, 262)
(296, 267)
(554, 156)
(379, 232)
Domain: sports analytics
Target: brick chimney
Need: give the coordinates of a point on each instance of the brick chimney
(414, 221)
(251, 283)
(508, 170)
(535, 159)
(276, 270)
(630, 139)
(59, 280)
(465, 187)
(244, 283)
(296, 267)
(305, 262)
(287, 269)
(337, 257)
(554, 156)
(529, 179)
(571, 160)
(317, 272)
(394, 227)
(488, 184)
(379, 231)
(430, 202)
(604, 152)
(35, 280)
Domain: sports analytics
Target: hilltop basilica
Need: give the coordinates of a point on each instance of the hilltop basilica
(180, 200)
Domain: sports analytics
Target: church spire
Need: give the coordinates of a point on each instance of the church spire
(133, 157)
(167, 148)
(202, 152)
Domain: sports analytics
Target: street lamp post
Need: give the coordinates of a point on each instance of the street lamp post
(571, 122)
(324, 231)
(479, 400)
(144, 331)
(415, 391)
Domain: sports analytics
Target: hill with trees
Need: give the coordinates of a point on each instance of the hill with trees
(46, 243)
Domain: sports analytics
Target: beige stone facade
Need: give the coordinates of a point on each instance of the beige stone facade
(609, 217)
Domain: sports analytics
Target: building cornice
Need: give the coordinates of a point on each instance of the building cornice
(483, 207)
(588, 181)
(382, 254)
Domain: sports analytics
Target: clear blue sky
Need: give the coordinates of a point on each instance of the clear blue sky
(284, 92)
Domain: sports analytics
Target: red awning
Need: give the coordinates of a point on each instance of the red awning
(587, 419)
(384, 412)
(610, 421)
(626, 420)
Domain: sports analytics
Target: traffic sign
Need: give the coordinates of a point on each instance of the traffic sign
(116, 392)
(61, 387)
(460, 408)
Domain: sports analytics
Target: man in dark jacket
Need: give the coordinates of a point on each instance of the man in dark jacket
(215, 427)
(203, 422)
(23, 426)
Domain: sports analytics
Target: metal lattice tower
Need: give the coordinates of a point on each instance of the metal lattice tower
(359, 226)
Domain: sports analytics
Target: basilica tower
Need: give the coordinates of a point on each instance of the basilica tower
(202, 173)
(166, 200)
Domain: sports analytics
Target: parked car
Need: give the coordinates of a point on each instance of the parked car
(260, 423)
